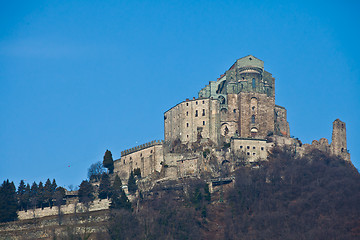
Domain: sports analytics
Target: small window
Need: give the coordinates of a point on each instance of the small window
(253, 119)
(248, 147)
(150, 151)
(187, 104)
(234, 110)
(196, 102)
(254, 153)
(130, 158)
(253, 83)
(241, 147)
(203, 122)
(196, 113)
(203, 102)
(187, 136)
(187, 113)
(187, 124)
(253, 147)
(140, 154)
(262, 148)
(124, 161)
(248, 153)
(203, 112)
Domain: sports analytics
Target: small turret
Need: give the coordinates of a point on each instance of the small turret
(338, 143)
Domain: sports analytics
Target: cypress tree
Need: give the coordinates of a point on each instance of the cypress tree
(132, 187)
(108, 161)
(119, 200)
(117, 183)
(105, 186)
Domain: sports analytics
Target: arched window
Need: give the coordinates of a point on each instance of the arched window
(253, 83)
(253, 119)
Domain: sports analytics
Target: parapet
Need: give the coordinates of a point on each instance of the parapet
(141, 147)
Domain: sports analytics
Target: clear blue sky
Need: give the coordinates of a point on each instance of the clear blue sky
(80, 77)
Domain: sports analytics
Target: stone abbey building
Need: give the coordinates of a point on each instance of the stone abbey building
(237, 110)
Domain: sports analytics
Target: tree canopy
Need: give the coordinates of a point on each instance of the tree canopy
(108, 161)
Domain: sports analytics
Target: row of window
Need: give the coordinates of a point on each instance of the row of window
(248, 147)
(197, 113)
(187, 124)
(203, 102)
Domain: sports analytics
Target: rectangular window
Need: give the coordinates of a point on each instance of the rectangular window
(196, 113)
(203, 122)
(187, 113)
(187, 124)
(203, 112)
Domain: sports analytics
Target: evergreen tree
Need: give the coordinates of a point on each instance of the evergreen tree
(8, 202)
(86, 192)
(105, 186)
(21, 194)
(117, 183)
(132, 187)
(48, 195)
(26, 197)
(34, 195)
(53, 186)
(108, 161)
(40, 197)
(119, 199)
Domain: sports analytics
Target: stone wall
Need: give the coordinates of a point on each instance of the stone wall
(146, 157)
(92, 225)
(192, 120)
(281, 124)
(65, 209)
(256, 115)
(338, 142)
(252, 149)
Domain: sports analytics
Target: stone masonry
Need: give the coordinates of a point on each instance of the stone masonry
(237, 109)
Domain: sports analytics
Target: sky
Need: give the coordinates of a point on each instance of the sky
(80, 77)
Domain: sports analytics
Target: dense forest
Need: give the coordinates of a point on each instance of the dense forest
(316, 196)
(313, 197)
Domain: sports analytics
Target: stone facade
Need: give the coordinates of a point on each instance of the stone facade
(146, 157)
(246, 94)
(338, 141)
(192, 120)
(70, 208)
(236, 110)
(251, 149)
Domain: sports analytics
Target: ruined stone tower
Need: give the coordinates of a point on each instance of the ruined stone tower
(338, 143)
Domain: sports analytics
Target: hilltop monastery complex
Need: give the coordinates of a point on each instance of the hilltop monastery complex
(234, 119)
